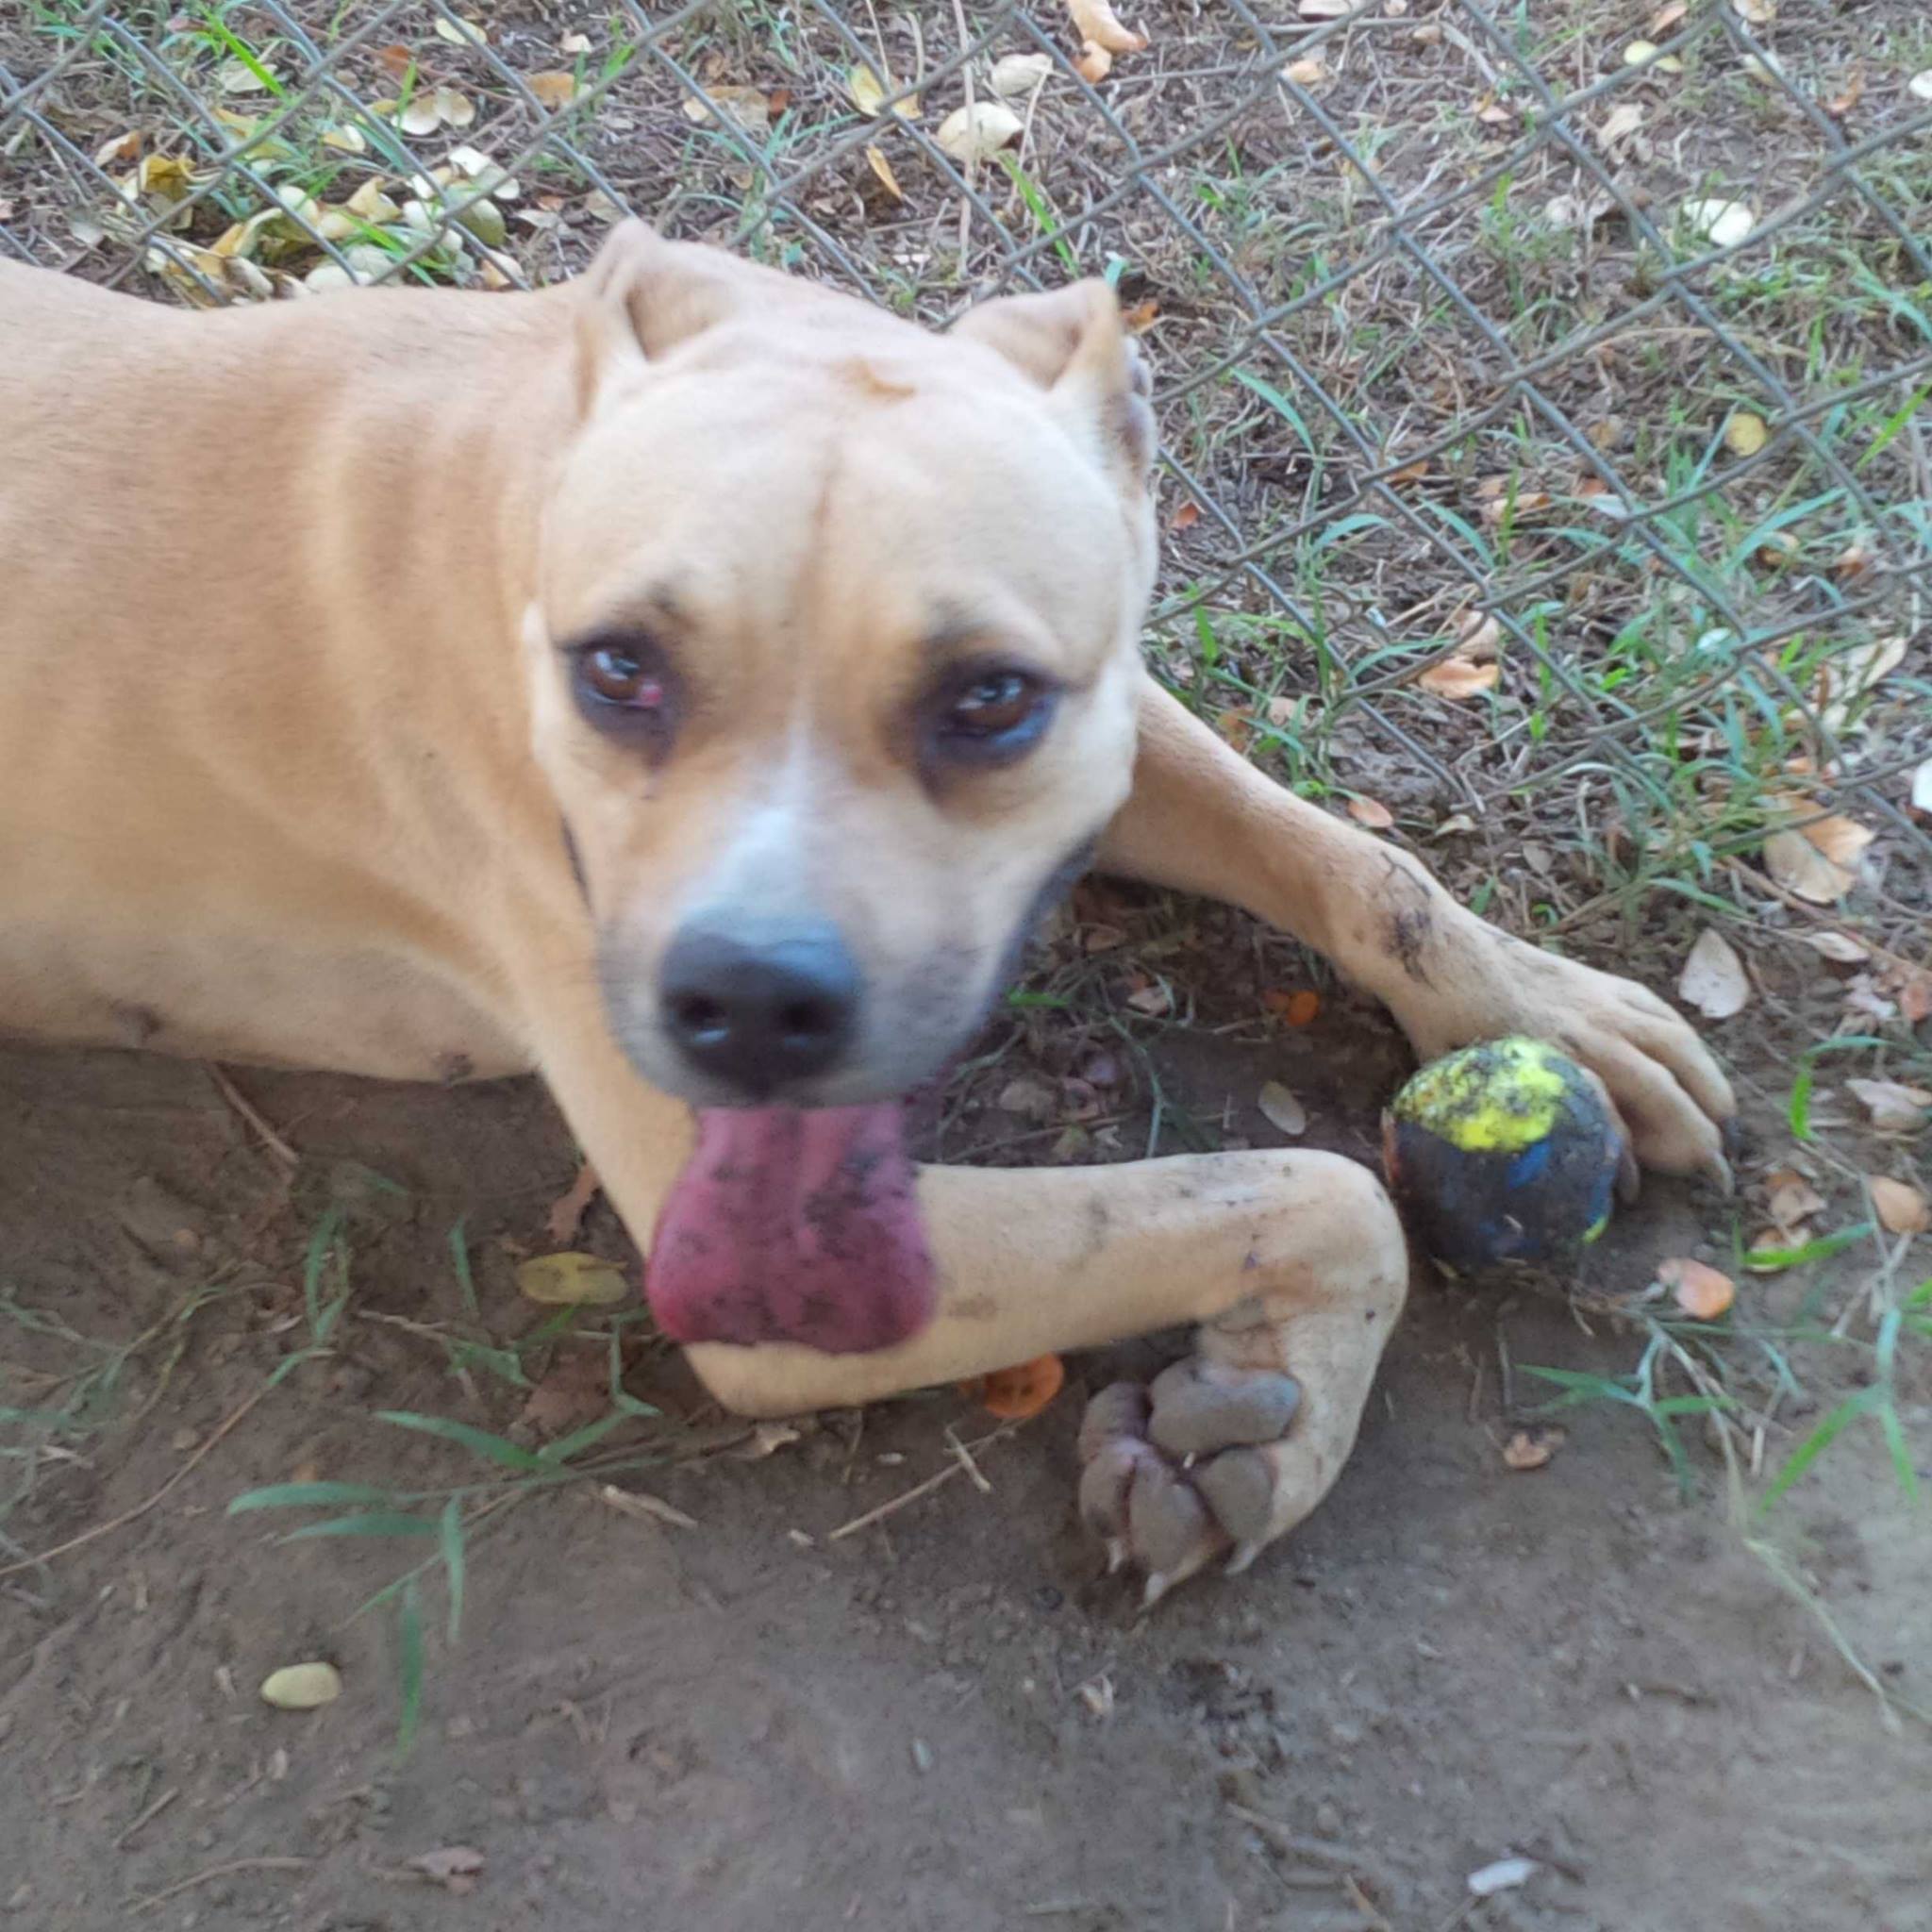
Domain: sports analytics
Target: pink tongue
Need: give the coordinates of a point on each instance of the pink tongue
(790, 1225)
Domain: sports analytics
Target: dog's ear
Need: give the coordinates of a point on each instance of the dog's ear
(644, 294)
(1074, 345)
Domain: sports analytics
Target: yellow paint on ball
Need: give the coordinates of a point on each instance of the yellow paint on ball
(1498, 1098)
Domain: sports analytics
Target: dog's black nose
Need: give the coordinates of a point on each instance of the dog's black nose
(761, 1011)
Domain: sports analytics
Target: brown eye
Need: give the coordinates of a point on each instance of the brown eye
(994, 706)
(617, 675)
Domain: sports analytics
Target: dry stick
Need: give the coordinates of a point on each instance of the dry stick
(271, 1139)
(207, 1877)
(918, 1490)
(141, 1509)
(148, 1816)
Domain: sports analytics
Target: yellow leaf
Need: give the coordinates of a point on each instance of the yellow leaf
(1457, 678)
(1745, 434)
(1699, 1290)
(300, 1687)
(1096, 21)
(1841, 839)
(459, 33)
(748, 108)
(122, 149)
(572, 1280)
(554, 88)
(883, 168)
(978, 132)
(869, 93)
(1902, 1208)
(345, 139)
(1305, 73)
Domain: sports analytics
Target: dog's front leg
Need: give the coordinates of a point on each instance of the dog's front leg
(1292, 1263)
(1202, 819)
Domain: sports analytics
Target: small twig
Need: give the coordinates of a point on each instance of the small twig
(148, 1816)
(154, 1898)
(140, 1510)
(918, 1490)
(238, 1101)
(640, 1503)
(965, 1457)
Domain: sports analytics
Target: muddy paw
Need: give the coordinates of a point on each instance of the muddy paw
(1177, 1473)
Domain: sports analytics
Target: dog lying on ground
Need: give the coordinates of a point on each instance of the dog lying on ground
(692, 684)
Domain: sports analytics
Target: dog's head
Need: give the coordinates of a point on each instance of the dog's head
(834, 658)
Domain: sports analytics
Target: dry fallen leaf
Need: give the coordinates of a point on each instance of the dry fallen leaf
(1665, 18)
(573, 43)
(1371, 812)
(1745, 434)
(1305, 73)
(1891, 1106)
(1840, 947)
(1020, 74)
(1457, 678)
(1281, 1110)
(574, 1390)
(1022, 1390)
(1329, 9)
(1185, 517)
(553, 89)
(566, 1213)
(1840, 104)
(1757, 13)
(1095, 21)
(747, 107)
(1791, 1198)
(876, 161)
(869, 93)
(1713, 979)
(460, 32)
(1722, 223)
(1095, 63)
(1902, 1208)
(1701, 1290)
(1797, 865)
(302, 1686)
(1921, 788)
(453, 1867)
(572, 1280)
(1919, 86)
(1841, 839)
(977, 132)
(1528, 1449)
(1621, 122)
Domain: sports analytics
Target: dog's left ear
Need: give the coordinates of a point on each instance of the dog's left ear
(1073, 343)
(643, 295)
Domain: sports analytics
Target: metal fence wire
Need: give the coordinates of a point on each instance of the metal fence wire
(1542, 394)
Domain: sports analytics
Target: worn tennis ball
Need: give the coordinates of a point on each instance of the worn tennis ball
(1502, 1156)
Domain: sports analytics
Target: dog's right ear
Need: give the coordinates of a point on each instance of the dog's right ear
(643, 295)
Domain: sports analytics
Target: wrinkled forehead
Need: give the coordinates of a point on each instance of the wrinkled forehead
(757, 492)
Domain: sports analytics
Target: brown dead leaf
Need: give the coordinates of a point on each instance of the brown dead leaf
(869, 93)
(1305, 73)
(749, 108)
(1140, 317)
(120, 151)
(1891, 1106)
(1329, 9)
(574, 1392)
(1185, 517)
(566, 1213)
(1528, 1449)
(1665, 18)
(1902, 1208)
(1371, 812)
(555, 88)
(1410, 473)
(1713, 980)
(1841, 839)
(1155, 1000)
(1840, 104)
(1492, 112)
(1095, 63)
(395, 59)
(460, 32)
(1298, 1006)
(1911, 987)
(1701, 1290)
(1096, 21)
(1457, 678)
(1790, 1198)
(1797, 865)
(1020, 74)
(1620, 124)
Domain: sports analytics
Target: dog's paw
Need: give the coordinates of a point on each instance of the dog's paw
(1201, 1463)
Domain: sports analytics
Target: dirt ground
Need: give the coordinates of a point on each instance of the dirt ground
(951, 1720)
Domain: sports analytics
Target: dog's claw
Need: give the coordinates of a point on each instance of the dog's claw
(1244, 1554)
(1157, 1588)
(1116, 1554)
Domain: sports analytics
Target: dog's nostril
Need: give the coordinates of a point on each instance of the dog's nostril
(807, 1020)
(700, 1016)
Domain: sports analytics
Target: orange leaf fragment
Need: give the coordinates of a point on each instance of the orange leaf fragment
(1298, 1008)
(1095, 21)
(1701, 1290)
(1902, 1208)
(1015, 1394)
(1371, 812)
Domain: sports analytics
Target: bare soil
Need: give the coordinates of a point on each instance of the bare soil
(951, 1720)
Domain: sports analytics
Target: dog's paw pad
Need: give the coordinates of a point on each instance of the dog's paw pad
(1175, 1475)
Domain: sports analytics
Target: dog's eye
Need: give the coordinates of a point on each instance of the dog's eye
(616, 674)
(993, 715)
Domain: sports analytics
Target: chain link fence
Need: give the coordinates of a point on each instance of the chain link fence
(1543, 395)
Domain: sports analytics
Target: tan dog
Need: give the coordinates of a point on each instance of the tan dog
(690, 684)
